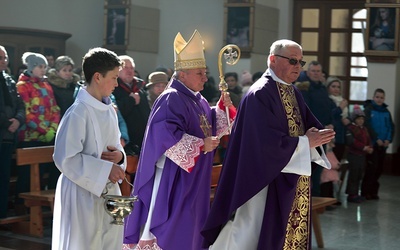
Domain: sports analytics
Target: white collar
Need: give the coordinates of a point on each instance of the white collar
(87, 98)
(191, 91)
(276, 79)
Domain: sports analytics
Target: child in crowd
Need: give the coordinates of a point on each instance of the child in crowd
(359, 145)
(89, 154)
(381, 128)
(42, 119)
(42, 111)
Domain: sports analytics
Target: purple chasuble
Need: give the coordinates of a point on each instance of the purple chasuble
(260, 147)
(183, 198)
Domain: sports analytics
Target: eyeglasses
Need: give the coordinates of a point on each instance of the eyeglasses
(293, 61)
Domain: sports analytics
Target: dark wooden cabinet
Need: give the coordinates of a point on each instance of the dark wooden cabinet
(20, 40)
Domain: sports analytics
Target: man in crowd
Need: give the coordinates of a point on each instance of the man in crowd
(12, 116)
(317, 98)
(132, 102)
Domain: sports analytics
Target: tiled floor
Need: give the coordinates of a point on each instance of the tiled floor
(371, 225)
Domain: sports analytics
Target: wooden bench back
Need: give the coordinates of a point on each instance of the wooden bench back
(33, 157)
(216, 171)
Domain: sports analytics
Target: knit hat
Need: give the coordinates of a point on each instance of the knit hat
(190, 54)
(357, 112)
(32, 60)
(331, 80)
(157, 77)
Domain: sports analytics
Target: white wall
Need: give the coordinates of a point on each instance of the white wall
(185, 16)
(83, 19)
(386, 77)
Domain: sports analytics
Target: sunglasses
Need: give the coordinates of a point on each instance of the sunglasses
(293, 61)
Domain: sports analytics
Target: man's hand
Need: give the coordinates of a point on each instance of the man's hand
(14, 125)
(113, 155)
(135, 96)
(210, 143)
(317, 137)
(226, 99)
(117, 174)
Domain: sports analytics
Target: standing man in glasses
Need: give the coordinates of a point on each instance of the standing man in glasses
(321, 105)
(263, 198)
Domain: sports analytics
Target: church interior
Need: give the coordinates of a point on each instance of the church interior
(336, 33)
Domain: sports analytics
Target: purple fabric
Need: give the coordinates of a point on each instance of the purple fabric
(183, 198)
(259, 148)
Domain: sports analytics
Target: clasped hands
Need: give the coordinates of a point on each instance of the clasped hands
(320, 137)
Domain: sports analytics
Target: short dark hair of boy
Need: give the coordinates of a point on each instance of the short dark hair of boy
(229, 74)
(379, 91)
(99, 60)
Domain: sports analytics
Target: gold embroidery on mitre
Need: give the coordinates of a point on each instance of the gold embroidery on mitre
(298, 227)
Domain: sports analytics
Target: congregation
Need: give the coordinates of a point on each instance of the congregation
(51, 83)
(36, 102)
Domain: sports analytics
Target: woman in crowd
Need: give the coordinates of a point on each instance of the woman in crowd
(63, 81)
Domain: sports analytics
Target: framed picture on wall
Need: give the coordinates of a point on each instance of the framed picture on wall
(238, 28)
(382, 34)
(116, 21)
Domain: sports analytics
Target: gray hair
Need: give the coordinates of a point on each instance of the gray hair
(177, 74)
(127, 58)
(281, 45)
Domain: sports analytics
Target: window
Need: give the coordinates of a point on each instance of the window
(332, 32)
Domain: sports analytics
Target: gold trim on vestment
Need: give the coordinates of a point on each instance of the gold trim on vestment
(190, 64)
(298, 227)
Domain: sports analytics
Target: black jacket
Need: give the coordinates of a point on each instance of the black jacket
(134, 114)
(11, 106)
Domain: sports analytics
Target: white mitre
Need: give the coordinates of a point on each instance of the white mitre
(190, 54)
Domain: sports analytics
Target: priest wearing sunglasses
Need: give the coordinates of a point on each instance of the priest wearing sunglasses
(263, 199)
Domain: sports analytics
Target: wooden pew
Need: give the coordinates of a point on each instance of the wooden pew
(36, 198)
(318, 207)
(216, 171)
(131, 167)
